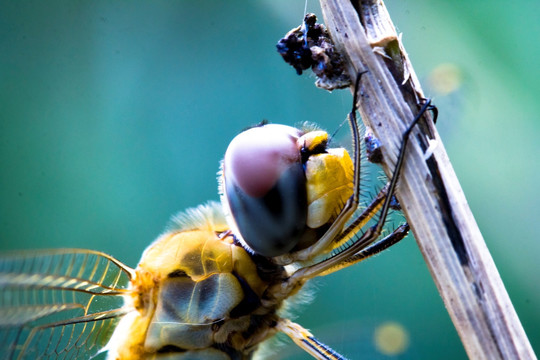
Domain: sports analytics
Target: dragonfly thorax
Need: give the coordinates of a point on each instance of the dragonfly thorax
(209, 296)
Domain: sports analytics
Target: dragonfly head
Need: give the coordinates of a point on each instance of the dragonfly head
(282, 187)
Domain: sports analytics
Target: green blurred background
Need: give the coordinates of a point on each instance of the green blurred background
(115, 115)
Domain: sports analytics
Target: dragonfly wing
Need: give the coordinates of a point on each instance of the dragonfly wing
(59, 303)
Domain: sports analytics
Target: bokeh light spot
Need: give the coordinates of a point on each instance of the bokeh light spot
(445, 78)
(391, 338)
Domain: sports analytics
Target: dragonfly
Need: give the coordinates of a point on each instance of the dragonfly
(215, 284)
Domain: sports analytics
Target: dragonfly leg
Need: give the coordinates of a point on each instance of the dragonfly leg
(352, 204)
(396, 236)
(305, 340)
(372, 233)
(362, 219)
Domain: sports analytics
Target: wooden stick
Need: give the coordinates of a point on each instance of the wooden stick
(429, 191)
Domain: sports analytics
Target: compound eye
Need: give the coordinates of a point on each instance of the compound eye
(265, 188)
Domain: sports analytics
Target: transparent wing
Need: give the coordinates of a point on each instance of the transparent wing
(59, 303)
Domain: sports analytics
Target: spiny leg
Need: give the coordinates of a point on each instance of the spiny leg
(305, 340)
(373, 232)
(395, 174)
(352, 204)
(393, 238)
(362, 219)
(372, 209)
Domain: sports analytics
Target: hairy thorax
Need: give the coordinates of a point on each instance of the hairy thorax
(199, 295)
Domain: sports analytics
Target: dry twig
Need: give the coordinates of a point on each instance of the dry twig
(429, 191)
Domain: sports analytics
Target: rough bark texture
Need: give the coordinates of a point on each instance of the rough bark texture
(429, 191)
